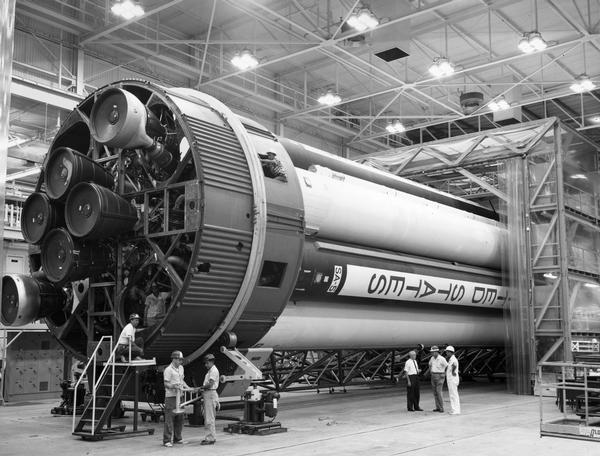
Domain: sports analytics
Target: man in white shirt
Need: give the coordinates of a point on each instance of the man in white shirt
(210, 399)
(174, 385)
(154, 306)
(413, 394)
(437, 368)
(453, 380)
(127, 336)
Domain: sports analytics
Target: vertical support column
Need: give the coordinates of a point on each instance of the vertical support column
(340, 368)
(563, 247)
(279, 126)
(530, 311)
(345, 150)
(79, 85)
(520, 346)
(136, 387)
(7, 29)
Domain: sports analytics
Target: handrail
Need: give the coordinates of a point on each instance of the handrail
(566, 384)
(567, 364)
(110, 362)
(92, 358)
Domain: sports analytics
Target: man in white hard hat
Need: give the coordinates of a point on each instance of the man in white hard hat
(127, 337)
(452, 380)
(413, 394)
(210, 399)
(174, 385)
(437, 368)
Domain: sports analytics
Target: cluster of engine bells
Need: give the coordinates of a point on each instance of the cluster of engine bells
(257, 406)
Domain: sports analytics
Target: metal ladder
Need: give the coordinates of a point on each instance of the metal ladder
(107, 387)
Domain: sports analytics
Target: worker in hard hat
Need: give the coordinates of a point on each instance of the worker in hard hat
(452, 380)
(437, 368)
(128, 338)
(174, 385)
(210, 399)
(413, 394)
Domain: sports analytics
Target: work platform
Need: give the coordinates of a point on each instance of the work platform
(371, 421)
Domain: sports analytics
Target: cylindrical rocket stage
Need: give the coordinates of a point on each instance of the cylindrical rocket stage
(244, 233)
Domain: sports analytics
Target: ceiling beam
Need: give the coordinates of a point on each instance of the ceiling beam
(524, 102)
(44, 94)
(330, 42)
(465, 70)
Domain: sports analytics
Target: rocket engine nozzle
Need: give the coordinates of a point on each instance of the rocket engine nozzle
(25, 299)
(95, 212)
(66, 167)
(40, 215)
(67, 259)
(120, 119)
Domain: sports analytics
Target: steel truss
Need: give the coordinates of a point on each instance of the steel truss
(331, 369)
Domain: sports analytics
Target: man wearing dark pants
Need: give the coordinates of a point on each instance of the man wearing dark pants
(174, 385)
(437, 368)
(413, 395)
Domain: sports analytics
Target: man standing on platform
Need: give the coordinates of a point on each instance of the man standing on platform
(210, 399)
(437, 368)
(174, 385)
(413, 394)
(452, 380)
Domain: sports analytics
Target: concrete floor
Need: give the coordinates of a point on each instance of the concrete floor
(371, 421)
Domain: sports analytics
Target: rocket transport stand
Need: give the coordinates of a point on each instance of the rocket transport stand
(257, 405)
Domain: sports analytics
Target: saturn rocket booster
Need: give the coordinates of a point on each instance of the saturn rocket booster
(248, 236)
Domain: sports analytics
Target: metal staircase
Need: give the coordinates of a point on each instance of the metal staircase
(107, 389)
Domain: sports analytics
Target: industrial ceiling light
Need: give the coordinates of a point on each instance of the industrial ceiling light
(532, 42)
(329, 99)
(550, 275)
(499, 104)
(595, 119)
(582, 84)
(441, 67)
(127, 9)
(395, 127)
(244, 60)
(592, 285)
(578, 176)
(362, 20)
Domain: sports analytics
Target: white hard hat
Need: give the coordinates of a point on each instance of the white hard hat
(450, 348)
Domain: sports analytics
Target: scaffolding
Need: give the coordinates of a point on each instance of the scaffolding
(573, 388)
(541, 178)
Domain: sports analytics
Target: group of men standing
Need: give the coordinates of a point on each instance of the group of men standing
(440, 369)
(175, 385)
